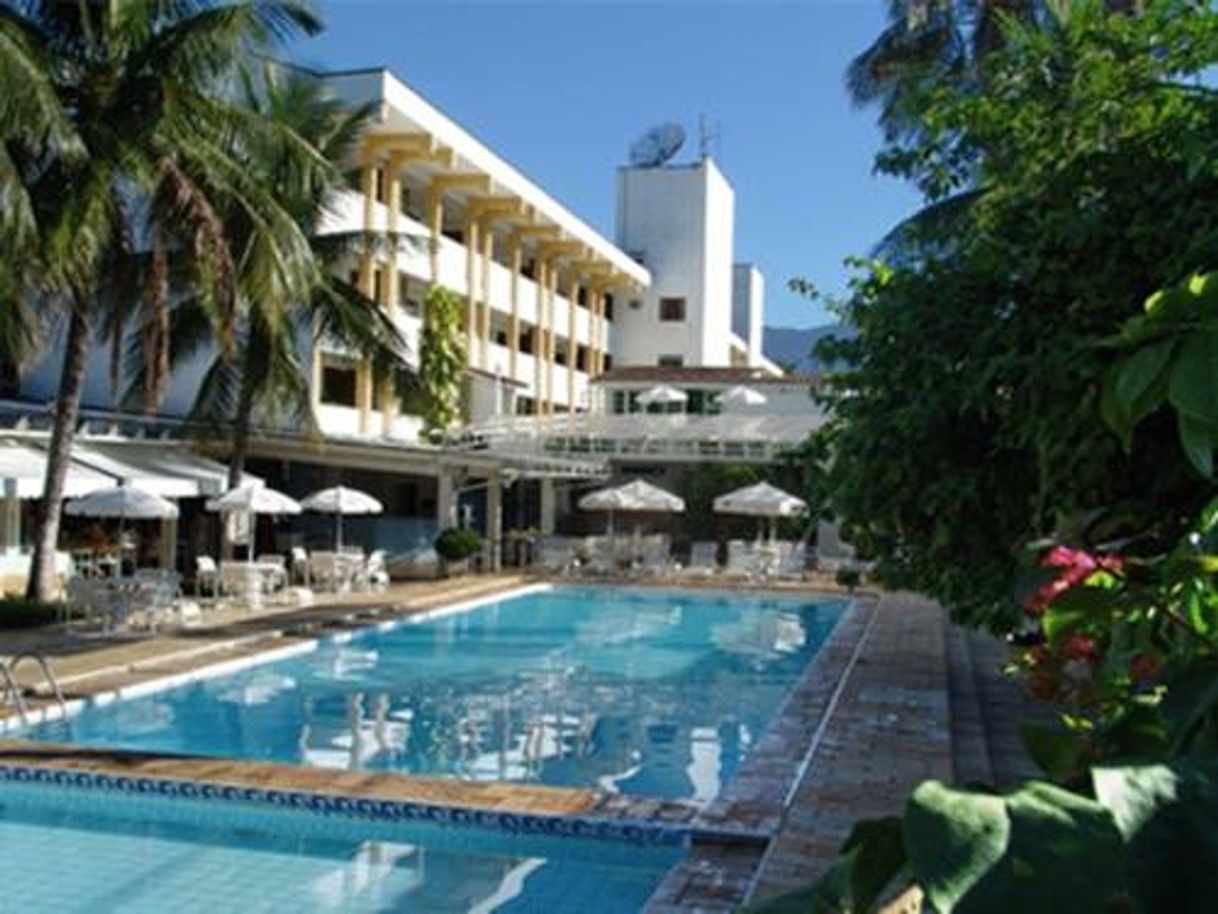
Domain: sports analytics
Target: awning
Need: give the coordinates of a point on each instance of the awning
(23, 471)
(163, 468)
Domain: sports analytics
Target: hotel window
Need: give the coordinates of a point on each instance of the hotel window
(380, 185)
(672, 309)
(608, 307)
(527, 340)
(608, 361)
(525, 406)
(671, 361)
(338, 383)
(407, 302)
(378, 285)
(581, 358)
(560, 354)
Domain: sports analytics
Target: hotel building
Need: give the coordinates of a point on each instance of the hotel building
(560, 325)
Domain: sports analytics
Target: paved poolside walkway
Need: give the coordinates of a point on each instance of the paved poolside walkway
(897, 696)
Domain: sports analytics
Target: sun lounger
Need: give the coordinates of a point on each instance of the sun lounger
(555, 554)
(703, 559)
(741, 562)
(833, 554)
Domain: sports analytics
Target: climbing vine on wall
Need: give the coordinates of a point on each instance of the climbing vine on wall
(442, 361)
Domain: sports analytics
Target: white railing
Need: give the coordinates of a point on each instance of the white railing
(642, 437)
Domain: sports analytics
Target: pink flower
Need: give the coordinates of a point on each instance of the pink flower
(1076, 566)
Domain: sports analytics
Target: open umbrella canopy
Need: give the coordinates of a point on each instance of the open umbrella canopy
(341, 500)
(741, 396)
(638, 495)
(124, 503)
(254, 499)
(662, 396)
(760, 500)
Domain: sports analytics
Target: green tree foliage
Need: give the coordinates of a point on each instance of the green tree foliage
(265, 375)
(115, 134)
(442, 360)
(965, 422)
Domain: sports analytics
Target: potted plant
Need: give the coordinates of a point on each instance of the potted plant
(455, 545)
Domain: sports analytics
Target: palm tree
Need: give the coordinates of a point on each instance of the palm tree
(266, 376)
(927, 42)
(115, 149)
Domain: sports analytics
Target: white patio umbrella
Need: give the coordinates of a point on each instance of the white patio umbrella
(124, 503)
(663, 395)
(741, 396)
(253, 498)
(339, 501)
(761, 501)
(637, 496)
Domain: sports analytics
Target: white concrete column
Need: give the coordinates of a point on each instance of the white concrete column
(494, 520)
(167, 554)
(10, 518)
(548, 506)
(446, 502)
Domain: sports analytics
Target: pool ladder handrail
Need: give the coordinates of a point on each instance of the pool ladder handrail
(12, 693)
(14, 690)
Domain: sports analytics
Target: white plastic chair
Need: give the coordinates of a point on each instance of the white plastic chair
(703, 558)
(207, 575)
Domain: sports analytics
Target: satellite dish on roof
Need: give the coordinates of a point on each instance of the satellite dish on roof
(657, 145)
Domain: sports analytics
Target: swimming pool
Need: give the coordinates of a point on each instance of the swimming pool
(644, 691)
(70, 849)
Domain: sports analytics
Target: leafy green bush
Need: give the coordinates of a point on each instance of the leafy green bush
(849, 578)
(456, 543)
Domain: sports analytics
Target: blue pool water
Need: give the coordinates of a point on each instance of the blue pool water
(644, 691)
(72, 850)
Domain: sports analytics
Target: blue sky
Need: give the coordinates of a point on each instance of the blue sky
(561, 88)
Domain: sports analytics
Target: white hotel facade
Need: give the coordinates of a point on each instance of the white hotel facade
(564, 328)
(550, 303)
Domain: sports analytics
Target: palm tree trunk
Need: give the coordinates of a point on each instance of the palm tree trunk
(59, 452)
(241, 432)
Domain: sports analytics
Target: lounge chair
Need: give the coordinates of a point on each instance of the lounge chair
(703, 559)
(419, 565)
(555, 554)
(375, 572)
(599, 556)
(833, 554)
(299, 566)
(653, 559)
(741, 562)
(793, 563)
(207, 576)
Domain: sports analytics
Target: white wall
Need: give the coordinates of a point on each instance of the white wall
(748, 308)
(681, 220)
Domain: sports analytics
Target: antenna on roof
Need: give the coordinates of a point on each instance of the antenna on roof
(708, 133)
(657, 145)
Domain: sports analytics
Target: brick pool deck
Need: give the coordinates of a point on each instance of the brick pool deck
(896, 695)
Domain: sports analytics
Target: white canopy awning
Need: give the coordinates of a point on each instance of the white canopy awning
(165, 468)
(760, 500)
(23, 471)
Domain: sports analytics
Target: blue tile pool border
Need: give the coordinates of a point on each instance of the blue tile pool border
(631, 831)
